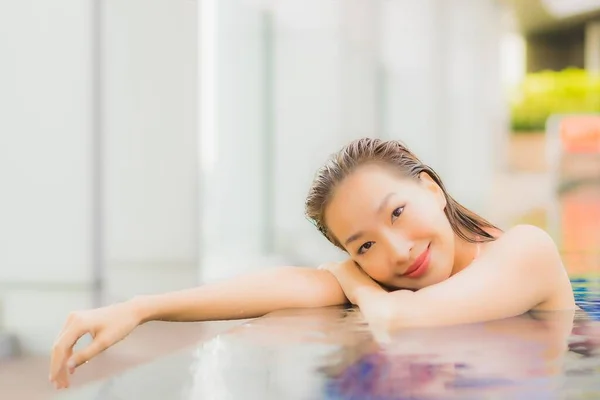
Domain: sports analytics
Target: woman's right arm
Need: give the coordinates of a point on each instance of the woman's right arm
(246, 296)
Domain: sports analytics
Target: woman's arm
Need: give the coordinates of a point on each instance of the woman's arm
(520, 271)
(245, 296)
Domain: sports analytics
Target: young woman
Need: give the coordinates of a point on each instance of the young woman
(416, 257)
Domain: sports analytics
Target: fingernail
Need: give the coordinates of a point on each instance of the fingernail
(71, 364)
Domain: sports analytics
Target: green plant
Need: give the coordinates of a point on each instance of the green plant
(545, 93)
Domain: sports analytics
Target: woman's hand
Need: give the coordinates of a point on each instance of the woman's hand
(363, 291)
(353, 280)
(107, 326)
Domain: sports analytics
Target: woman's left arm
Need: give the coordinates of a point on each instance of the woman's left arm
(520, 271)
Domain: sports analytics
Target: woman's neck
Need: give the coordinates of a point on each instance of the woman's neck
(466, 252)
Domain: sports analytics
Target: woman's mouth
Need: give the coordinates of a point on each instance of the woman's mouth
(420, 266)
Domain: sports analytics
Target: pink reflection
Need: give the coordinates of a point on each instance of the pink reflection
(580, 216)
(580, 233)
(580, 134)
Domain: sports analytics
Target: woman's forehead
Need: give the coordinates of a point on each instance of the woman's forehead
(360, 197)
(370, 183)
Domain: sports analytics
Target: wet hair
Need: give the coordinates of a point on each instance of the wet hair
(396, 156)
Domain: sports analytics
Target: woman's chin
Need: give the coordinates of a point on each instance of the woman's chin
(431, 277)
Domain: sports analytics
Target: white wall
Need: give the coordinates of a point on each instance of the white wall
(473, 111)
(412, 64)
(234, 218)
(149, 206)
(45, 132)
(45, 164)
(149, 124)
(443, 93)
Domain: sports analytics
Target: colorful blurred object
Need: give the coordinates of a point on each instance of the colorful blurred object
(580, 237)
(580, 134)
(542, 94)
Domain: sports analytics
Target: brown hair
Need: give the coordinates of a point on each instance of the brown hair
(465, 223)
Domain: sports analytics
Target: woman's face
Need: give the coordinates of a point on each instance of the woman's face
(394, 228)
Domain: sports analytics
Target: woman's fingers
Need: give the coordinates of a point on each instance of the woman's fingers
(106, 326)
(99, 344)
(62, 379)
(63, 347)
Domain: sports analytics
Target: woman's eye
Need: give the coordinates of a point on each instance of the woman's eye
(396, 213)
(365, 247)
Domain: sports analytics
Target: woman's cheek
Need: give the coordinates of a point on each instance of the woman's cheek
(377, 269)
(435, 221)
(421, 224)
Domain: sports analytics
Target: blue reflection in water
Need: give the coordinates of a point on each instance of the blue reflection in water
(587, 295)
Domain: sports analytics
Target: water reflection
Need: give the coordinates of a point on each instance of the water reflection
(587, 295)
(331, 354)
(578, 235)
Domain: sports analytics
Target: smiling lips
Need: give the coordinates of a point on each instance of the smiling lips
(419, 267)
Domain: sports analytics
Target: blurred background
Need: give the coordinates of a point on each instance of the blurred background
(154, 145)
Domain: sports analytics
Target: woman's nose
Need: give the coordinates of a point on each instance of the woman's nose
(399, 250)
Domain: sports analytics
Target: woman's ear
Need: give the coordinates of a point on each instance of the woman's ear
(431, 185)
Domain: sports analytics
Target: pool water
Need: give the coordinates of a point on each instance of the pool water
(332, 354)
(575, 226)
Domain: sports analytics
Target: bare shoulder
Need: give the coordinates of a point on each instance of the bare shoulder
(532, 253)
(527, 241)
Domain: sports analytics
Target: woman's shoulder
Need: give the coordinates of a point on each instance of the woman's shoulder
(526, 237)
(536, 257)
(527, 244)
(527, 251)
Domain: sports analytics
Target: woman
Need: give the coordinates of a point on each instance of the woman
(416, 258)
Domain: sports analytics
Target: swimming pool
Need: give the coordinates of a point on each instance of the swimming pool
(331, 353)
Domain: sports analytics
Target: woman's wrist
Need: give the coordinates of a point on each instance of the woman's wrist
(355, 283)
(140, 306)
